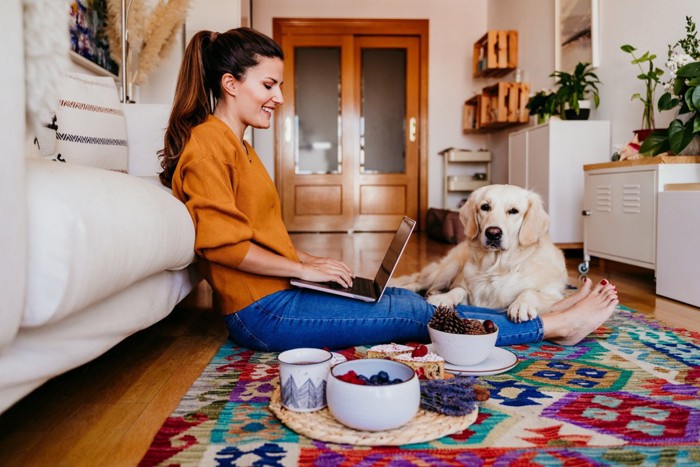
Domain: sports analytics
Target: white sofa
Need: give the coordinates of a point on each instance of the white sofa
(89, 256)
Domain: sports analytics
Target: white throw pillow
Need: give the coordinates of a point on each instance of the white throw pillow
(90, 125)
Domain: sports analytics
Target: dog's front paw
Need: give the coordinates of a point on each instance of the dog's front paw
(521, 310)
(450, 299)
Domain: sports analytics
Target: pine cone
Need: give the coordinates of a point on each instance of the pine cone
(446, 319)
(474, 326)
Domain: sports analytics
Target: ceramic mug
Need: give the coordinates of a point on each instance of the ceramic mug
(303, 376)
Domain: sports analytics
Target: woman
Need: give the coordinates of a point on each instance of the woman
(231, 81)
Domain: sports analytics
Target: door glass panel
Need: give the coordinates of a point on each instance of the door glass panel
(382, 124)
(317, 119)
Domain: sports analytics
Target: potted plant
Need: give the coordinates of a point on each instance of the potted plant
(650, 77)
(683, 93)
(542, 104)
(575, 89)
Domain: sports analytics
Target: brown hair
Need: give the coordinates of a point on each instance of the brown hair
(208, 56)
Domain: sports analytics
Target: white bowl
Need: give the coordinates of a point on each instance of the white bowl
(463, 349)
(373, 408)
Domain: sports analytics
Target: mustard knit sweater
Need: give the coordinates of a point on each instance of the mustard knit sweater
(233, 203)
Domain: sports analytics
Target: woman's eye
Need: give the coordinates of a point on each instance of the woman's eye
(513, 211)
(267, 86)
(485, 207)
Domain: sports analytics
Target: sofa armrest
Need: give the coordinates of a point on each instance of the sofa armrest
(145, 128)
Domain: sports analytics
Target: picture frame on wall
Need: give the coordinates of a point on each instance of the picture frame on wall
(88, 37)
(575, 33)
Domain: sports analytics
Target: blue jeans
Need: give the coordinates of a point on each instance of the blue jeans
(306, 318)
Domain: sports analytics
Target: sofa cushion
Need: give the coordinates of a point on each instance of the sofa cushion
(90, 126)
(94, 232)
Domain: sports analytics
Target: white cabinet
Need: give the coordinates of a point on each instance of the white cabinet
(620, 210)
(465, 171)
(678, 257)
(549, 160)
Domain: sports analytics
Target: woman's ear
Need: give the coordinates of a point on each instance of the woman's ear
(229, 84)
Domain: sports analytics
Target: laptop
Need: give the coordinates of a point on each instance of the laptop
(369, 290)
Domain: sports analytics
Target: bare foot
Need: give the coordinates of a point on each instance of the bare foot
(571, 325)
(574, 298)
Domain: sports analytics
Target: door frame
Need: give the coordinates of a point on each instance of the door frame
(375, 27)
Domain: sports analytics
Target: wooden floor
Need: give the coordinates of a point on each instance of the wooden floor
(107, 411)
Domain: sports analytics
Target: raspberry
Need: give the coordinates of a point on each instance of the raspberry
(420, 351)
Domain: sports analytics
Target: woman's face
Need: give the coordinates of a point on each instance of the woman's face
(259, 93)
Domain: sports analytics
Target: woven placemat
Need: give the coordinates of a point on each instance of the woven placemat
(322, 426)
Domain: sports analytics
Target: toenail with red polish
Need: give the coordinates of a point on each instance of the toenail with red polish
(604, 282)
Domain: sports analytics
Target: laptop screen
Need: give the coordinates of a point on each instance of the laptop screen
(391, 258)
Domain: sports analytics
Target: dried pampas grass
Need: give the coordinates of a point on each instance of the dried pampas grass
(151, 35)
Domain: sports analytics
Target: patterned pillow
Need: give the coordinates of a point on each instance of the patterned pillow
(90, 126)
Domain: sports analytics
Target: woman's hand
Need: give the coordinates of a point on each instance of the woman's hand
(320, 269)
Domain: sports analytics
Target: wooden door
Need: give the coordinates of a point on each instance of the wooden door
(349, 140)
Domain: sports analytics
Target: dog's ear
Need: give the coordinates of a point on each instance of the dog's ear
(468, 216)
(536, 221)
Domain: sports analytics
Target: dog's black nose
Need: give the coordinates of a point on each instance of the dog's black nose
(493, 234)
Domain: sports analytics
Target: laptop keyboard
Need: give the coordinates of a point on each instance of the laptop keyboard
(360, 286)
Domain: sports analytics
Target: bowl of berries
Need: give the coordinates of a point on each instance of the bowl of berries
(373, 394)
(461, 341)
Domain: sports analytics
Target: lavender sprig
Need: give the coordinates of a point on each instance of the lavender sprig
(454, 397)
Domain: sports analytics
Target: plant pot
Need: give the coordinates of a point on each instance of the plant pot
(643, 134)
(583, 113)
(542, 118)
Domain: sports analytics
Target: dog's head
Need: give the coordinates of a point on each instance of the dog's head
(504, 216)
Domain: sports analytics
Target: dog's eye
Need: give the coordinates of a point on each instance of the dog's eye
(513, 211)
(485, 207)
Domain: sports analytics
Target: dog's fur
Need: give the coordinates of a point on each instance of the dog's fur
(507, 259)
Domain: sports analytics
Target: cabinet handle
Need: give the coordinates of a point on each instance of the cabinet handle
(585, 212)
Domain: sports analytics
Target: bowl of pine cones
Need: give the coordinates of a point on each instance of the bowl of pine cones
(461, 341)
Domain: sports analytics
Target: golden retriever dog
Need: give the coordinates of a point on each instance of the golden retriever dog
(507, 259)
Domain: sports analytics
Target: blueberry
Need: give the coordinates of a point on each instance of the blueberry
(396, 381)
(383, 376)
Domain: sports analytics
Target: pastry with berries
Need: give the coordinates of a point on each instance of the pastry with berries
(426, 364)
(386, 351)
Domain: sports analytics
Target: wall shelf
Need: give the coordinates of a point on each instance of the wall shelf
(499, 105)
(475, 171)
(495, 54)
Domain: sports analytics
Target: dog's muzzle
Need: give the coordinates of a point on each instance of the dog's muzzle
(493, 237)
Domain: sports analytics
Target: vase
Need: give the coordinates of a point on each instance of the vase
(584, 111)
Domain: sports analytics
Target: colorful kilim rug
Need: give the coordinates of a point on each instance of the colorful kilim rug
(628, 395)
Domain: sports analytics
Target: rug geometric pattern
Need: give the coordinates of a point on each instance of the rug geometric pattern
(627, 395)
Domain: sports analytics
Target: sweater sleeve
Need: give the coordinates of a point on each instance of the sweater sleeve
(223, 232)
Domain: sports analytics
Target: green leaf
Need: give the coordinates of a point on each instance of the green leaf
(667, 101)
(696, 123)
(628, 48)
(655, 143)
(691, 70)
(679, 135)
(678, 84)
(693, 98)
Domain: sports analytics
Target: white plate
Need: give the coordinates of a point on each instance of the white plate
(337, 358)
(500, 361)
